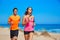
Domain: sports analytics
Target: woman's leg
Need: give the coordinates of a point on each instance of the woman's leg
(26, 37)
(30, 35)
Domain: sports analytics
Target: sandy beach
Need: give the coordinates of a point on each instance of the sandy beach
(4, 35)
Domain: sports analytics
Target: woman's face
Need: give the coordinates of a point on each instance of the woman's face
(29, 10)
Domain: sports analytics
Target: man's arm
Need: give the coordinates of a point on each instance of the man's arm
(9, 20)
(19, 19)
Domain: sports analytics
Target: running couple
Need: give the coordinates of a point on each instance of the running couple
(27, 21)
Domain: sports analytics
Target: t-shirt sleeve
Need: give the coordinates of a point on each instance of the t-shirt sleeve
(19, 18)
(9, 20)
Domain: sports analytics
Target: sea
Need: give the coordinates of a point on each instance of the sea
(54, 28)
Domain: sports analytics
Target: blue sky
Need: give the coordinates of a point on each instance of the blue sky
(44, 11)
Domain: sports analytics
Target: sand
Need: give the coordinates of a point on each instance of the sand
(4, 35)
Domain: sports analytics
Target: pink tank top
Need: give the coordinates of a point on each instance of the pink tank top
(30, 25)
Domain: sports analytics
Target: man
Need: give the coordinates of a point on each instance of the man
(14, 21)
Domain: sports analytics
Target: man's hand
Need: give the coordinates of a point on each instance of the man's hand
(11, 23)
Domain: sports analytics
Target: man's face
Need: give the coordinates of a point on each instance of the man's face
(15, 11)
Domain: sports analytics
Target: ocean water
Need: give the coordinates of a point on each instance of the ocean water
(55, 28)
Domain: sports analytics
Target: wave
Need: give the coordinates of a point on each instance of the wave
(54, 30)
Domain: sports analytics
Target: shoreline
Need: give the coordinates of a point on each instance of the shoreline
(49, 31)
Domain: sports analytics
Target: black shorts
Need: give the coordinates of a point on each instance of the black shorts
(27, 32)
(13, 33)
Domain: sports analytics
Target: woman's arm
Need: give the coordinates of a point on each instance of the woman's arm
(33, 20)
(25, 20)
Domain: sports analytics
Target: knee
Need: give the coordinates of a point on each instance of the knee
(14, 38)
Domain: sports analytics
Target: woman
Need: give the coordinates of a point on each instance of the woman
(28, 22)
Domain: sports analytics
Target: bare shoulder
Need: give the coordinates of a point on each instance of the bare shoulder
(24, 16)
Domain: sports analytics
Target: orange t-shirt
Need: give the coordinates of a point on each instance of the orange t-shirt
(15, 20)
